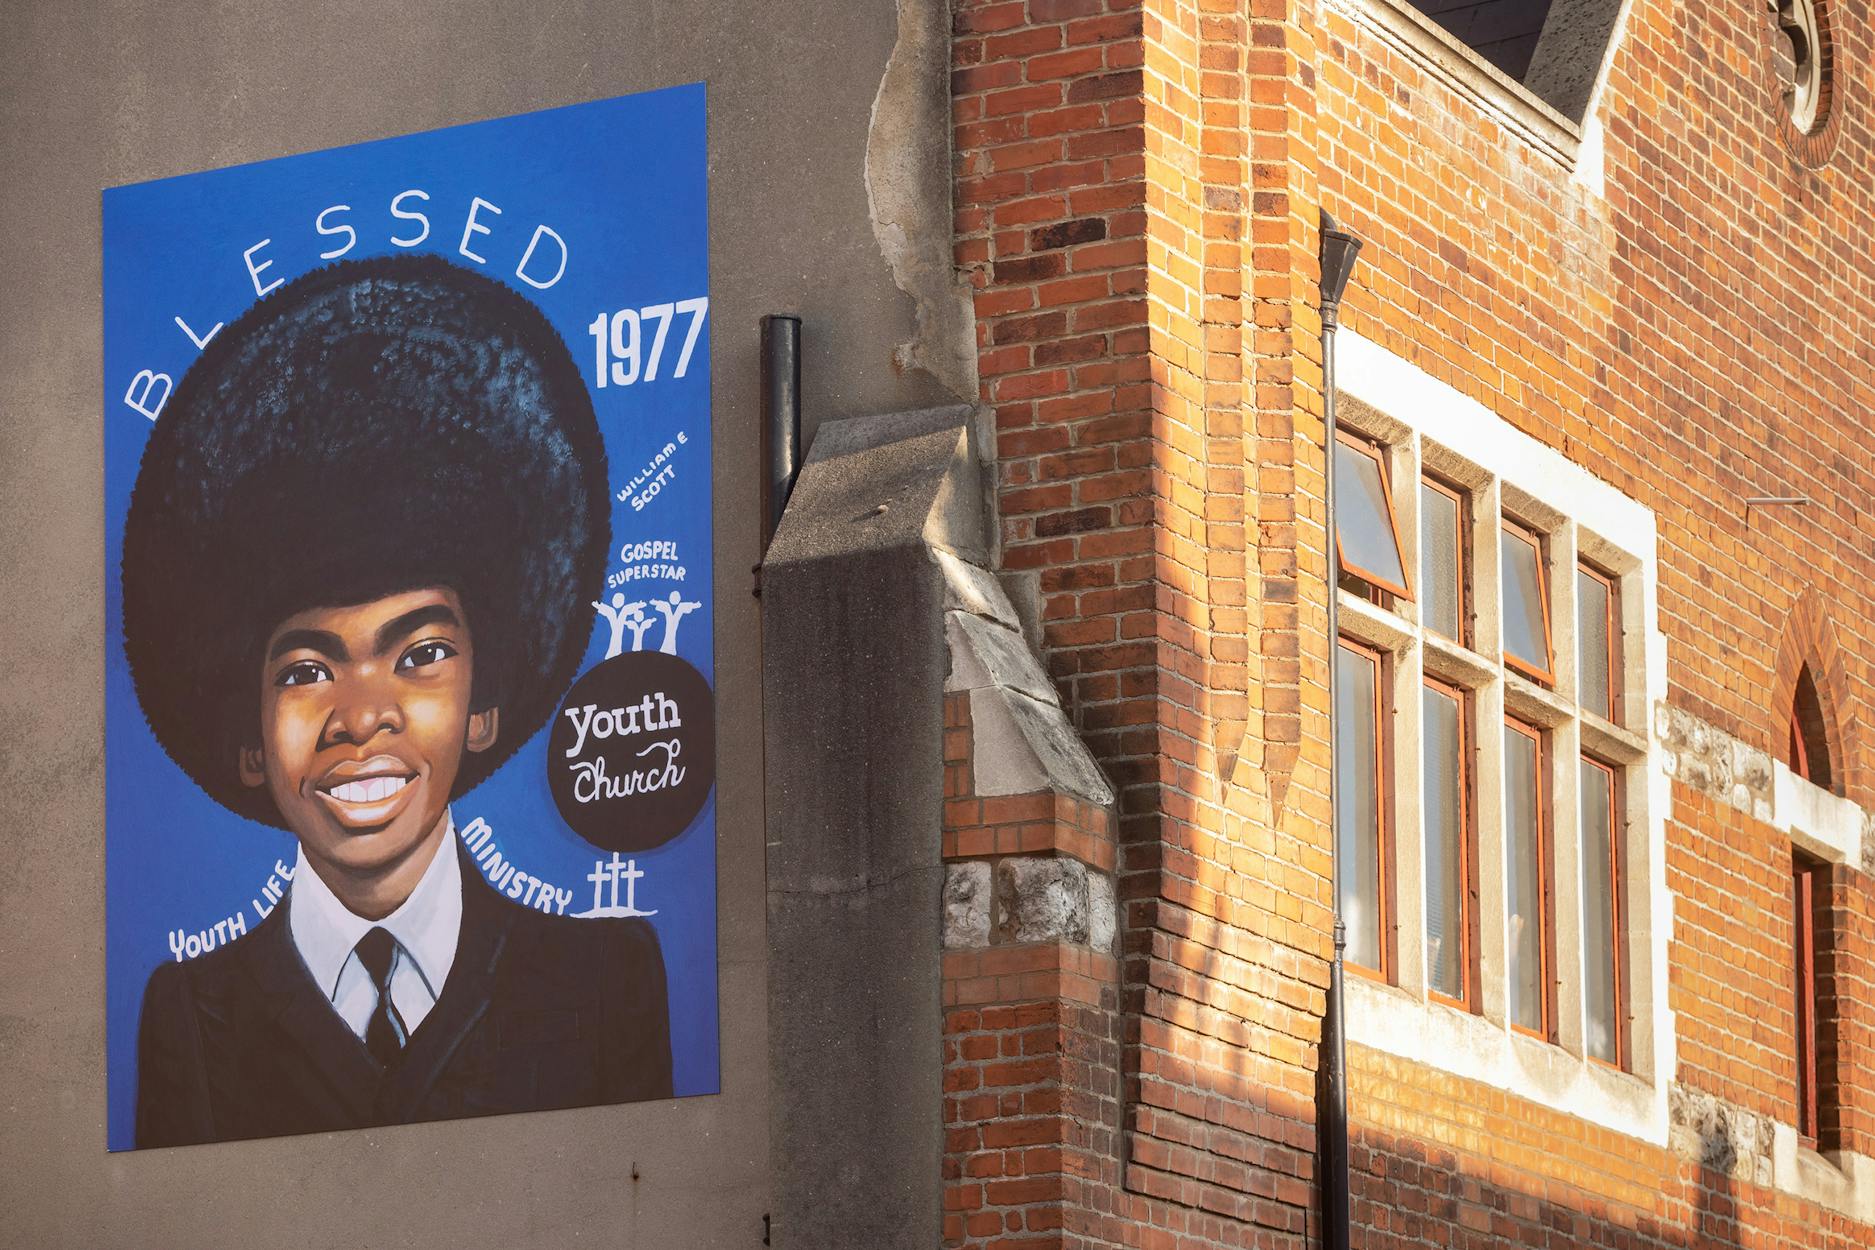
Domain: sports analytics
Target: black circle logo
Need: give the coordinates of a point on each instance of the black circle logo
(632, 755)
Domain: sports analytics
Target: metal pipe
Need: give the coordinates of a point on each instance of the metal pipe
(1339, 251)
(1771, 501)
(781, 416)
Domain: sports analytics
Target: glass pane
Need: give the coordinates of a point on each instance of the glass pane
(1523, 602)
(1438, 561)
(1357, 810)
(1362, 521)
(1445, 845)
(1523, 879)
(1592, 644)
(1599, 945)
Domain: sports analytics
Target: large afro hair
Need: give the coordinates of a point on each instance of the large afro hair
(372, 427)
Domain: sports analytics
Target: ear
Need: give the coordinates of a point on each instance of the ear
(253, 767)
(484, 728)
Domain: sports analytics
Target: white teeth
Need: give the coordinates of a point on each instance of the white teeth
(369, 790)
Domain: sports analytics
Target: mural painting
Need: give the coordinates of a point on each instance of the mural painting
(410, 737)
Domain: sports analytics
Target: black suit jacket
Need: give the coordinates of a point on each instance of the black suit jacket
(538, 1012)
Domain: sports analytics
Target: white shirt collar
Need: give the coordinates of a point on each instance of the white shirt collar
(426, 924)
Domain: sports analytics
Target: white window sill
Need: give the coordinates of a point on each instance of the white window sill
(1390, 1019)
(1372, 624)
(1841, 1180)
(1824, 824)
(1610, 741)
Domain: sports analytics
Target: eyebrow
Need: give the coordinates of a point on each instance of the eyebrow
(397, 628)
(319, 640)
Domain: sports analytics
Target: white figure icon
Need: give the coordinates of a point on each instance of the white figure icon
(674, 611)
(622, 616)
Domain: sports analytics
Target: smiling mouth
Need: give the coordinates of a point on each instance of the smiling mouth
(366, 798)
(367, 789)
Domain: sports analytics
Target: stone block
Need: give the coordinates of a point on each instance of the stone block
(1041, 899)
(985, 653)
(968, 588)
(1103, 911)
(967, 899)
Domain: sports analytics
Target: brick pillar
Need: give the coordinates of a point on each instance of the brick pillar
(1030, 998)
(1136, 213)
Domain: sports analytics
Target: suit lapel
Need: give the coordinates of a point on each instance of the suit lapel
(464, 1001)
(337, 1066)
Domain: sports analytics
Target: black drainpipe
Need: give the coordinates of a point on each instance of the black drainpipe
(781, 416)
(1339, 250)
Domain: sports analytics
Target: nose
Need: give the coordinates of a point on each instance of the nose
(365, 705)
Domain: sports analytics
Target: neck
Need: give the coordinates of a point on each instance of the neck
(375, 893)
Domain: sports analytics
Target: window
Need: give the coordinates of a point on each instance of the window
(1520, 823)
(1442, 521)
(1603, 933)
(1489, 819)
(1818, 1117)
(1598, 635)
(1800, 53)
(1526, 602)
(1367, 535)
(1527, 880)
(1361, 805)
(1451, 852)
(1803, 895)
(1809, 737)
(1552, 50)
(1503, 32)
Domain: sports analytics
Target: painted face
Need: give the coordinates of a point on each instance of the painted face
(364, 715)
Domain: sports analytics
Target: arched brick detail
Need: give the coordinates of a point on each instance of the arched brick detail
(1811, 147)
(1810, 638)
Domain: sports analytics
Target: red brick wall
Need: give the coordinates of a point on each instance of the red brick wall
(1676, 339)
(1103, 214)
(1137, 189)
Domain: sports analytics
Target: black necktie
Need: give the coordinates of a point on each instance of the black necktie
(385, 1033)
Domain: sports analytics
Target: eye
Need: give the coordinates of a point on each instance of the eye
(425, 653)
(303, 673)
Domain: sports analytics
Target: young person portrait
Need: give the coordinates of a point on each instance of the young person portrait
(358, 569)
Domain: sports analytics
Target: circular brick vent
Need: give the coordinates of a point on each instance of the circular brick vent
(1801, 79)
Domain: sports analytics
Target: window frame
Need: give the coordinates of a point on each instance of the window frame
(1461, 499)
(1618, 910)
(1374, 451)
(1612, 584)
(1384, 911)
(1799, 749)
(1470, 975)
(1529, 534)
(1546, 885)
(1805, 873)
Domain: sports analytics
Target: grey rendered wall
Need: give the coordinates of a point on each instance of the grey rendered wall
(94, 95)
(855, 641)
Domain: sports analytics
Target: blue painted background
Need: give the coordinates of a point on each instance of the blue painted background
(624, 182)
